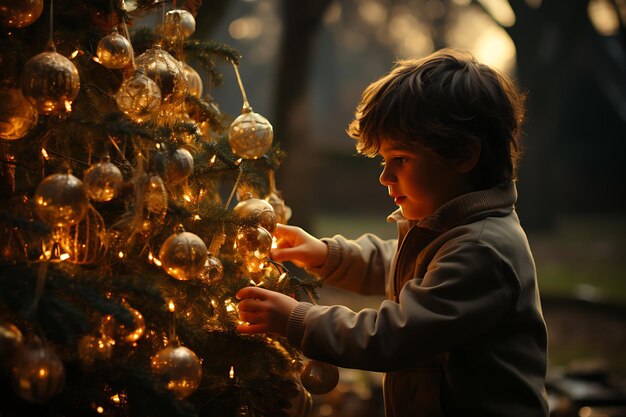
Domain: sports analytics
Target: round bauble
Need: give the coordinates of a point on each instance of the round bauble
(257, 211)
(319, 377)
(179, 166)
(194, 81)
(51, 82)
(213, 270)
(38, 373)
(254, 245)
(183, 255)
(19, 13)
(119, 332)
(166, 71)
(179, 24)
(103, 180)
(93, 348)
(250, 135)
(139, 97)
(114, 51)
(17, 115)
(61, 200)
(181, 369)
(87, 241)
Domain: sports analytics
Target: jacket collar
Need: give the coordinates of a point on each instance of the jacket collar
(464, 208)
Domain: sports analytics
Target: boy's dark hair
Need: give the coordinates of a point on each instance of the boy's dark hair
(446, 102)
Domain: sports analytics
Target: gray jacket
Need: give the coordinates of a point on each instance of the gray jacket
(461, 333)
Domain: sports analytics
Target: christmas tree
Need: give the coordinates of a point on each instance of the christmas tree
(132, 209)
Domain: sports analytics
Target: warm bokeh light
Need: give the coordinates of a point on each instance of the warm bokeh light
(333, 14)
(604, 17)
(500, 10)
(489, 43)
(249, 27)
(435, 9)
(372, 12)
(408, 36)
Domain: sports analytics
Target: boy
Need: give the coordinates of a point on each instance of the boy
(461, 333)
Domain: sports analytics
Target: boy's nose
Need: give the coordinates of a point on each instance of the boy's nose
(385, 177)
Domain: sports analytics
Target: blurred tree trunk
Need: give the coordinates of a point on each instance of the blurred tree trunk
(550, 42)
(292, 109)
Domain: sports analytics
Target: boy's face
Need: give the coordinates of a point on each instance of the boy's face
(418, 180)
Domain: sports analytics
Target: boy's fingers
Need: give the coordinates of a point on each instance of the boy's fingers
(251, 328)
(252, 292)
(249, 305)
(285, 254)
(282, 229)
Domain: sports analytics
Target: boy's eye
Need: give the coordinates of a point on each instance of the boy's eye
(398, 160)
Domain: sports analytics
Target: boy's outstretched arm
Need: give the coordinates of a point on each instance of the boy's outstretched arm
(264, 311)
(299, 247)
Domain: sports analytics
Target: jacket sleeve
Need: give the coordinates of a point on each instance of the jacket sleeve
(464, 292)
(361, 265)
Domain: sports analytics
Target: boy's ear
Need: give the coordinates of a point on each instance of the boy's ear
(468, 163)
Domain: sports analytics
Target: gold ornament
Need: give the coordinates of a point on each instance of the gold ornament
(38, 373)
(155, 195)
(17, 115)
(103, 180)
(250, 135)
(119, 332)
(61, 200)
(179, 24)
(139, 97)
(194, 81)
(180, 368)
(87, 241)
(94, 348)
(258, 211)
(179, 166)
(51, 82)
(114, 51)
(19, 13)
(319, 377)
(166, 71)
(11, 342)
(183, 255)
(254, 245)
(213, 270)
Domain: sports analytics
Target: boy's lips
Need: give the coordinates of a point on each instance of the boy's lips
(398, 199)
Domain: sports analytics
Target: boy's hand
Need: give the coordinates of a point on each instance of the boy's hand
(264, 311)
(299, 247)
